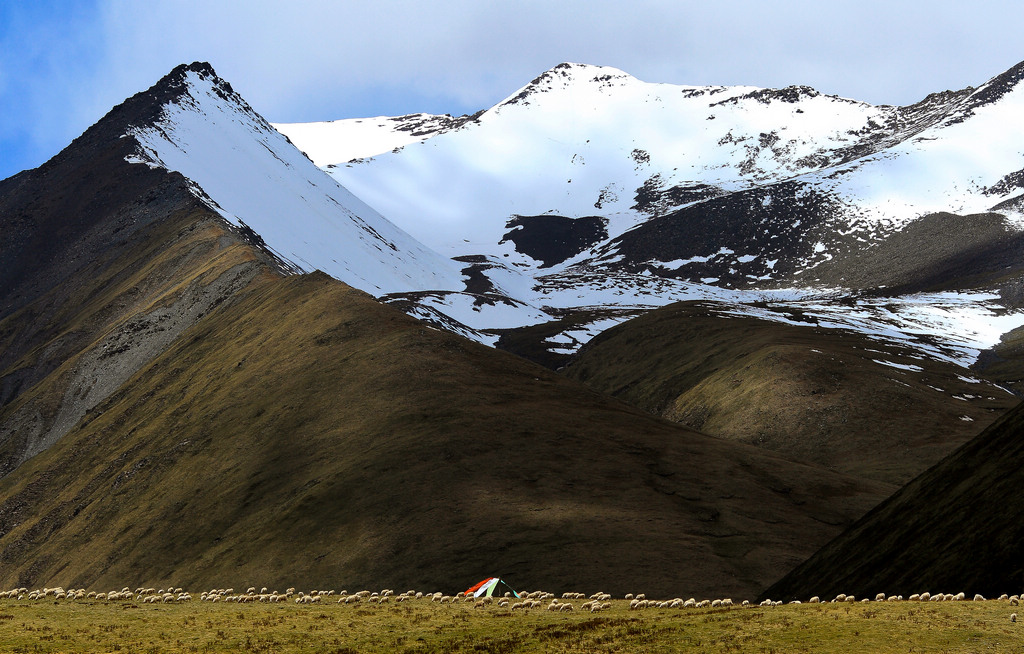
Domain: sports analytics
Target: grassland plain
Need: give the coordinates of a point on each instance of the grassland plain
(423, 626)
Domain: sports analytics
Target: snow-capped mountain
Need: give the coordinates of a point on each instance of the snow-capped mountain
(253, 177)
(590, 188)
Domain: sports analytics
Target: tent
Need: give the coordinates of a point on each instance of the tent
(489, 586)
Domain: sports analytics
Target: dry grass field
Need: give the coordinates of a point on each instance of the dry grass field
(424, 626)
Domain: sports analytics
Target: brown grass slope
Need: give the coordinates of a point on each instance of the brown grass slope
(810, 393)
(307, 435)
(955, 528)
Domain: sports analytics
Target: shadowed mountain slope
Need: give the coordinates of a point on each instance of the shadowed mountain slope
(955, 528)
(308, 435)
(837, 398)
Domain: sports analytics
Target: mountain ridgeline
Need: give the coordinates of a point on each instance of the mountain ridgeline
(206, 377)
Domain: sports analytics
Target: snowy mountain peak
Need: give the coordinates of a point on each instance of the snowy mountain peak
(568, 76)
(256, 179)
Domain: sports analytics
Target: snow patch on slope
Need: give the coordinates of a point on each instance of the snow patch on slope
(251, 175)
(337, 141)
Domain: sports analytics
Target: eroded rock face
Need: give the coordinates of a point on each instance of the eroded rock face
(97, 372)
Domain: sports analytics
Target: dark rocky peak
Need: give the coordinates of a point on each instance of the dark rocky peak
(994, 89)
(145, 109)
(952, 107)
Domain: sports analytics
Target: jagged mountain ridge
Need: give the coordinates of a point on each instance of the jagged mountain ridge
(686, 193)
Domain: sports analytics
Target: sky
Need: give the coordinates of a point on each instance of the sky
(65, 63)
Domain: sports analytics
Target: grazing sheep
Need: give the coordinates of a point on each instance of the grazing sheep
(628, 596)
(1013, 617)
(977, 598)
(814, 600)
(716, 603)
(925, 597)
(880, 597)
(746, 603)
(841, 597)
(503, 602)
(690, 603)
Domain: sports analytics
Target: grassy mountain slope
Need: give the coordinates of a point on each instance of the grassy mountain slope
(955, 528)
(811, 393)
(308, 435)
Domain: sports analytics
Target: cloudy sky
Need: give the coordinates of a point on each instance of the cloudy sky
(65, 63)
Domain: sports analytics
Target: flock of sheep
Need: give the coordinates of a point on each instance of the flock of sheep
(596, 602)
